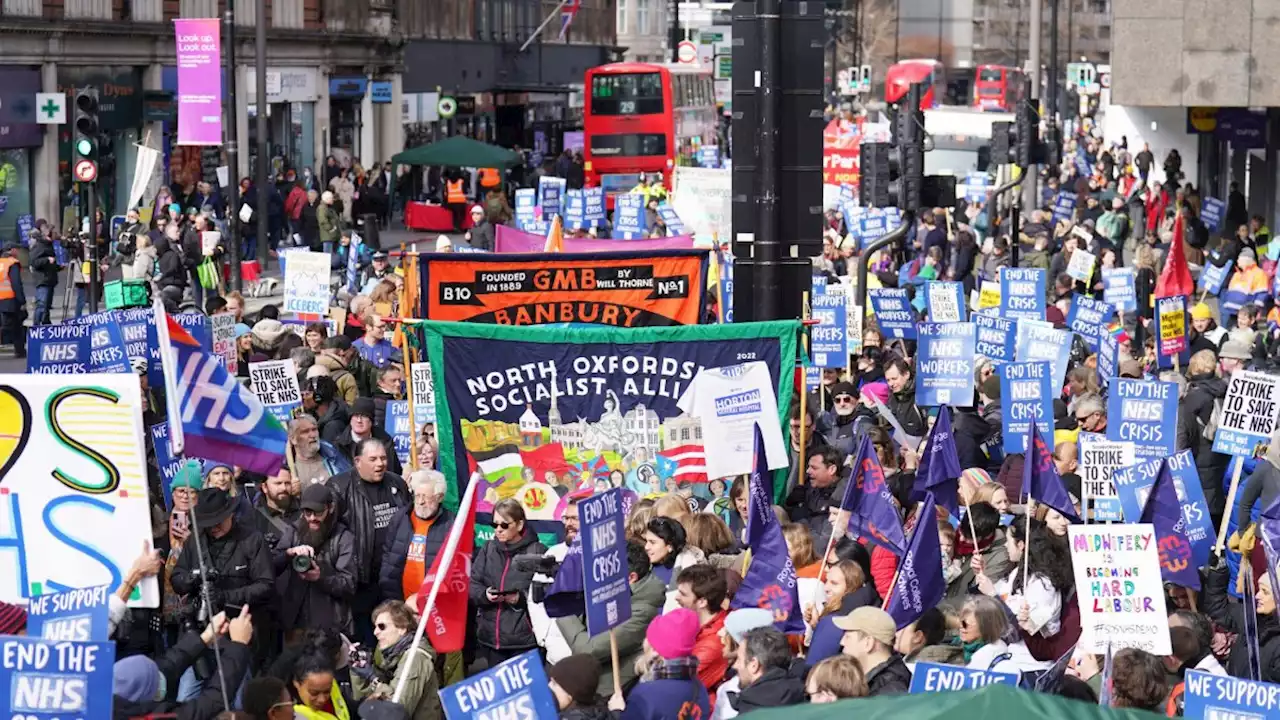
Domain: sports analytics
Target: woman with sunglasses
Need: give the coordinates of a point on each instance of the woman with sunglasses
(500, 587)
(393, 626)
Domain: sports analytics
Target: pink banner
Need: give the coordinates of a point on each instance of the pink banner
(511, 240)
(199, 81)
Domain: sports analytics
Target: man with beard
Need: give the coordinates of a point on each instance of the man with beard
(275, 511)
(844, 431)
(417, 535)
(368, 498)
(318, 583)
(314, 460)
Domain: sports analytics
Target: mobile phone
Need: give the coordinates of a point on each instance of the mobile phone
(178, 521)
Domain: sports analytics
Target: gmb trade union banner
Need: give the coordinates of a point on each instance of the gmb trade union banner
(618, 289)
(539, 411)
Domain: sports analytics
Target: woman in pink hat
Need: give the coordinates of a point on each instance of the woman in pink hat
(669, 685)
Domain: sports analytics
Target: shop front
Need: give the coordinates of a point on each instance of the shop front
(346, 94)
(292, 93)
(19, 135)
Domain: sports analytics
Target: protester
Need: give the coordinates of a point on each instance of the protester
(767, 674)
(500, 586)
(836, 678)
(668, 686)
(319, 583)
(397, 659)
(869, 639)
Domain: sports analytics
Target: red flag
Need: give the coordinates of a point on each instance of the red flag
(1175, 278)
(447, 624)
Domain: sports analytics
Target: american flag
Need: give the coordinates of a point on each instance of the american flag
(568, 12)
(685, 462)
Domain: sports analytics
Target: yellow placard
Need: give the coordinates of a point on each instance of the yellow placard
(989, 296)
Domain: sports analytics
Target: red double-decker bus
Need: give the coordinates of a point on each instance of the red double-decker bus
(902, 75)
(644, 118)
(996, 88)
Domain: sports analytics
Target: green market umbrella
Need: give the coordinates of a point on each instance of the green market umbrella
(992, 701)
(458, 151)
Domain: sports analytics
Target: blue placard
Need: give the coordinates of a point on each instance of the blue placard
(1064, 206)
(852, 213)
(168, 464)
(1134, 483)
(996, 337)
(829, 345)
(944, 301)
(25, 226)
(1145, 413)
(1119, 288)
(1211, 210)
(380, 92)
(1108, 359)
(517, 688)
(527, 218)
(944, 364)
(628, 216)
(1221, 697)
(892, 308)
(935, 677)
(726, 287)
(1089, 319)
(675, 226)
(352, 271)
(81, 615)
(57, 680)
(1213, 277)
(76, 348)
(976, 186)
(1082, 164)
(1022, 293)
(59, 252)
(878, 222)
(595, 209)
(575, 210)
(847, 193)
(399, 428)
(604, 561)
(109, 353)
(1026, 391)
(1172, 307)
(551, 195)
(1042, 341)
(137, 327)
(709, 156)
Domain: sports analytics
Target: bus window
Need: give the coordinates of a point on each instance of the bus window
(988, 74)
(629, 145)
(630, 94)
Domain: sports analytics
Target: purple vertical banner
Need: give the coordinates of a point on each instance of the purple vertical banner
(199, 81)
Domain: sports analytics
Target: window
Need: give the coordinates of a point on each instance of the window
(630, 94)
(990, 75)
(642, 17)
(629, 145)
(622, 17)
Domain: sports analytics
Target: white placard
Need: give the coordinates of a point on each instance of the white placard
(1099, 459)
(1118, 587)
(223, 326)
(275, 383)
(209, 240)
(246, 213)
(424, 394)
(1081, 265)
(306, 282)
(1248, 413)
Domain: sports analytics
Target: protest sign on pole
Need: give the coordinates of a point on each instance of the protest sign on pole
(829, 346)
(945, 301)
(1042, 341)
(1248, 414)
(517, 688)
(1133, 485)
(223, 327)
(669, 217)
(168, 464)
(1119, 288)
(1221, 697)
(989, 295)
(528, 213)
(997, 337)
(1213, 277)
(275, 383)
(1108, 359)
(1171, 318)
(1022, 293)
(892, 308)
(944, 364)
(1211, 213)
(604, 562)
(397, 425)
(930, 677)
(628, 216)
(1145, 413)
(1089, 319)
(551, 195)
(1099, 460)
(424, 394)
(306, 283)
(1080, 267)
(1119, 589)
(1064, 206)
(1026, 390)
(57, 680)
(80, 615)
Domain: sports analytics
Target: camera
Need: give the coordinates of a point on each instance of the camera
(303, 563)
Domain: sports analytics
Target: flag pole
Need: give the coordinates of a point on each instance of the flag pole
(442, 573)
(1026, 544)
(534, 36)
(894, 585)
(1231, 502)
(413, 419)
(804, 392)
(613, 655)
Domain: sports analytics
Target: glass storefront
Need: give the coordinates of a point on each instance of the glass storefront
(16, 188)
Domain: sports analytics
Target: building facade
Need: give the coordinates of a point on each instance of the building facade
(644, 30)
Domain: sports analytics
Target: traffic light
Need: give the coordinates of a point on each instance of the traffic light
(1001, 143)
(1026, 131)
(85, 148)
(908, 137)
(877, 184)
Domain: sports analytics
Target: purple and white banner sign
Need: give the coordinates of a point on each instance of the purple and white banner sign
(199, 81)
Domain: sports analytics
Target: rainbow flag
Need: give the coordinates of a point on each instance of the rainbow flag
(220, 419)
(1116, 328)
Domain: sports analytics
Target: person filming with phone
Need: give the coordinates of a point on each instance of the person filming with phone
(318, 577)
(500, 587)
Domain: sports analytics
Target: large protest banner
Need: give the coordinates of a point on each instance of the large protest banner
(1099, 460)
(997, 337)
(512, 240)
(57, 679)
(1026, 390)
(306, 283)
(1144, 413)
(944, 364)
(619, 289)
(892, 308)
(1248, 413)
(540, 411)
(517, 688)
(1022, 293)
(604, 561)
(1118, 586)
(1133, 485)
(1218, 697)
(75, 512)
(275, 382)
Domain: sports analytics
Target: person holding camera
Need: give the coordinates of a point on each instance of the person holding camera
(319, 580)
(127, 245)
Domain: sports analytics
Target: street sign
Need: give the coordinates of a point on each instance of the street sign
(51, 108)
(86, 171)
(687, 52)
(447, 107)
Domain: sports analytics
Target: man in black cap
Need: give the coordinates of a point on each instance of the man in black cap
(13, 300)
(362, 427)
(378, 269)
(235, 567)
(318, 580)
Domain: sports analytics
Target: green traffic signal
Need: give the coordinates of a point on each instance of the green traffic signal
(84, 147)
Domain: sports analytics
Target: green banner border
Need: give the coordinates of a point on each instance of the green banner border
(434, 333)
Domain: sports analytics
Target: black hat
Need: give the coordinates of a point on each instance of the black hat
(577, 675)
(213, 507)
(380, 255)
(316, 497)
(844, 388)
(363, 406)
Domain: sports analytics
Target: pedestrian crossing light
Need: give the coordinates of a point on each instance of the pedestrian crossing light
(86, 135)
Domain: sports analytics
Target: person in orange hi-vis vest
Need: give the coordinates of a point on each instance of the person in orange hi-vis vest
(455, 197)
(13, 301)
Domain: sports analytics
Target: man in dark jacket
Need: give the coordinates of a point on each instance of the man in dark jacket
(868, 638)
(172, 278)
(309, 222)
(902, 398)
(13, 300)
(45, 268)
(275, 510)
(362, 427)
(809, 504)
(417, 535)
(318, 582)
(767, 673)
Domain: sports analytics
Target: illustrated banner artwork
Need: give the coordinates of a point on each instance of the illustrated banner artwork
(75, 512)
(619, 289)
(306, 283)
(541, 411)
(1118, 586)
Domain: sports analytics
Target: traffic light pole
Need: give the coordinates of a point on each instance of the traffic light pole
(767, 250)
(1013, 213)
(233, 150)
(91, 250)
(264, 147)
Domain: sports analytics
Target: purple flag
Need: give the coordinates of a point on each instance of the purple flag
(199, 81)
(1269, 533)
(1040, 480)
(770, 582)
(867, 496)
(1165, 513)
(1249, 610)
(939, 471)
(918, 584)
(1104, 697)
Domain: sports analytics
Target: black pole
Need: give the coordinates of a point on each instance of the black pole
(832, 19)
(91, 208)
(767, 252)
(264, 147)
(1017, 38)
(1013, 232)
(864, 260)
(675, 30)
(233, 150)
(1052, 96)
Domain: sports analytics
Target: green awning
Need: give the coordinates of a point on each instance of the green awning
(458, 151)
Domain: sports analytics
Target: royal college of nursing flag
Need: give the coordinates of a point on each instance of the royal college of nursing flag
(939, 471)
(874, 514)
